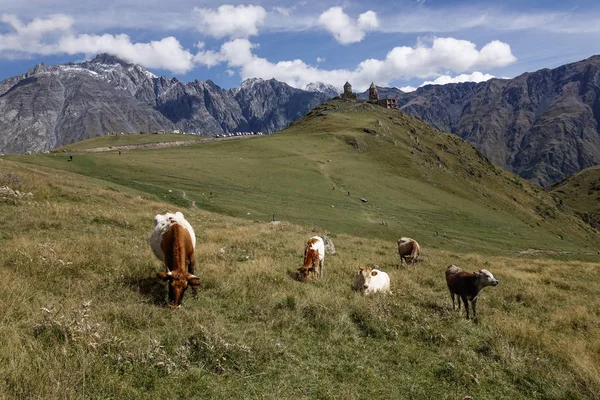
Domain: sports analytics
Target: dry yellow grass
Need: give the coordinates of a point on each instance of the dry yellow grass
(82, 316)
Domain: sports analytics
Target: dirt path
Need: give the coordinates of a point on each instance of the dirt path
(157, 145)
(185, 197)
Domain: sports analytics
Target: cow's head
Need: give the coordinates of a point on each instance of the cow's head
(366, 273)
(303, 273)
(485, 278)
(178, 284)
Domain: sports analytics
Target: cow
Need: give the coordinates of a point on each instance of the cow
(409, 250)
(314, 257)
(467, 286)
(173, 241)
(369, 280)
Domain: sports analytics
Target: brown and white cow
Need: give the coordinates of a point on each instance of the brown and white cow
(409, 250)
(173, 241)
(467, 286)
(314, 256)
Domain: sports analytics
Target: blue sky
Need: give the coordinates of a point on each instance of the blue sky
(403, 43)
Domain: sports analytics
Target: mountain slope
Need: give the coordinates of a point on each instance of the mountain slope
(542, 125)
(84, 316)
(580, 192)
(52, 106)
(417, 182)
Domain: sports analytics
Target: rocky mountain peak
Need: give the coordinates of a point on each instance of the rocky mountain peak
(109, 59)
(41, 67)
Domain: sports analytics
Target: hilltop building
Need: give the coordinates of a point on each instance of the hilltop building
(373, 96)
(348, 92)
(385, 103)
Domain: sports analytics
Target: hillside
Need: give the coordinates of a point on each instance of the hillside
(542, 125)
(83, 316)
(416, 182)
(581, 193)
(52, 106)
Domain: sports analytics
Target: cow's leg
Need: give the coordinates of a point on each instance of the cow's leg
(453, 305)
(191, 264)
(321, 262)
(466, 302)
(474, 304)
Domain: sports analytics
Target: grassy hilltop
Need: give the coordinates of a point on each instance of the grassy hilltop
(581, 193)
(81, 310)
(419, 182)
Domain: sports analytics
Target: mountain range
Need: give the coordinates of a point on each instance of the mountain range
(542, 125)
(51, 106)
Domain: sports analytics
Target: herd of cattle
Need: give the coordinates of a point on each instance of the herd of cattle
(173, 241)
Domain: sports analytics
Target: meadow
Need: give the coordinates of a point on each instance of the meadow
(82, 315)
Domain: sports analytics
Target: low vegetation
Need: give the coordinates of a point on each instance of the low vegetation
(315, 173)
(82, 313)
(580, 193)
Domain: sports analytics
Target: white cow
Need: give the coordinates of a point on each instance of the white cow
(369, 280)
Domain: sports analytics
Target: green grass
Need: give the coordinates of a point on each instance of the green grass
(418, 182)
(125, 140)
(581, 193)
(82, 313)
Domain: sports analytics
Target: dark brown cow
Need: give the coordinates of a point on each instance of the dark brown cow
(467, 285)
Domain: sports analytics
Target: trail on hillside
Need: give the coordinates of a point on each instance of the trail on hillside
(185, 197)
(156, 145)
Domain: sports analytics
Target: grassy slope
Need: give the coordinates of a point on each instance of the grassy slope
(124, 140)
(423, 184)
(252, 331)
(581, 193)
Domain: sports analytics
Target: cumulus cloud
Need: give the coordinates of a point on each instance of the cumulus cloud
(444, 54)
(444, 79)
(343, 28)
(53, 36)
(320, 59)
(32, 37)
(166, 53)
(231, 21)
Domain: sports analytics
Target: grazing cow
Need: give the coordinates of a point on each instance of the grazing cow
(467, 285)
(173, 241)
(409, 250)
(369, 280)
(314, 256)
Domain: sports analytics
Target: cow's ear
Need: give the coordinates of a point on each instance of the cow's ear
(165, 276)
(193, 280)
(373, 273)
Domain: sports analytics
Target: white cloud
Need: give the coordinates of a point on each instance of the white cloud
(283, 10)
(408, 89)
(53, 36)
(231, 21)
(444, 54)
(343, 28)
(320, 59)
(29, 37)
(474, 77)
(230, 72)
(444, 79)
